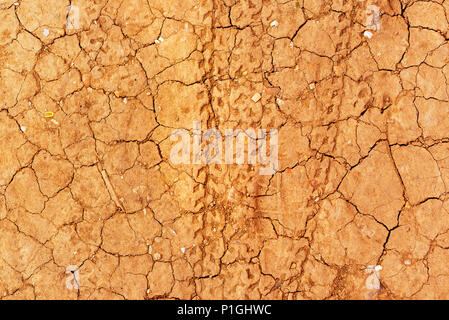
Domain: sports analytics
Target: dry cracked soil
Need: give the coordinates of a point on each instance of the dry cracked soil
(93, 207)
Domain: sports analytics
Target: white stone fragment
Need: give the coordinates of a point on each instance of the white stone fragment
(46, 32)
(23, 128)
(274, 23)
(256, 97)
(368, 34)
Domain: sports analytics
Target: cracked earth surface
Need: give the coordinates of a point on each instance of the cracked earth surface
(363, 149)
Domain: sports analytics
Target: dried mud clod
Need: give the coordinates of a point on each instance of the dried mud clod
(90, 92)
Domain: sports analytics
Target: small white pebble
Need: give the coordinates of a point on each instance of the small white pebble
(183, 250)
(16, 4)
(23, 128)
(368, 34)
(157, 256)
(407, 262)
(148, 291)
(75, 252)
(161, 39)
(125, 101)
(274, 23)
(156, 41)
(54, 121)
(150, 249)
(256, 97)
(144, 211)
(46, 32)
(378, 268)
(378, 54)
(312, 86)
(172, 231)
